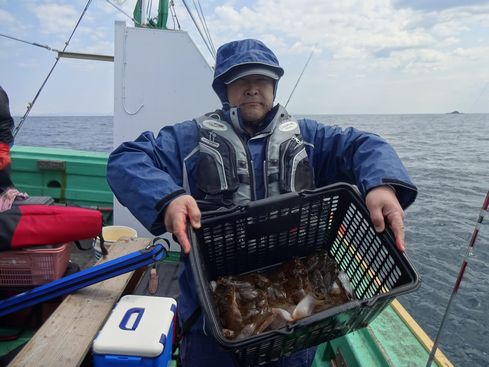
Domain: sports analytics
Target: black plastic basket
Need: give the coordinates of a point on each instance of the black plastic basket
(267, 232)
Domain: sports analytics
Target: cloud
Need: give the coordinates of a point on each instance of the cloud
(92, 35)
(437, 5)
(13, 25)
(96, 39)
(56, 18)
(476, 54)
(354, 24)
(381, 33)
(361, 46)
(6, 19)
(125, 12)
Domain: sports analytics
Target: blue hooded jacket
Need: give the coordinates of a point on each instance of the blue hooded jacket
(146, 174)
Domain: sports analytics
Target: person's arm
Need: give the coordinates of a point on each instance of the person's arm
(367, 161)
(6, 127)
(146, 175)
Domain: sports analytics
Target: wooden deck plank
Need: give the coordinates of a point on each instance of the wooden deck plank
(66, 337)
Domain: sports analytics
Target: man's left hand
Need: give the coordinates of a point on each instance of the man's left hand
(384, 208)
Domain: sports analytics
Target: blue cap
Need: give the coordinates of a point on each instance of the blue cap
(237, 59)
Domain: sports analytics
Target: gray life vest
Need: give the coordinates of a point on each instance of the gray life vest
(225, 171)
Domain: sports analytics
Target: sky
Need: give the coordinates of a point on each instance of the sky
(368, 56)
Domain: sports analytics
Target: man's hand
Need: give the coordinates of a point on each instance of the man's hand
(176, 215)
(4, 155)
(382, 203)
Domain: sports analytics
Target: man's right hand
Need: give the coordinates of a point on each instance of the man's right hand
(176, 215)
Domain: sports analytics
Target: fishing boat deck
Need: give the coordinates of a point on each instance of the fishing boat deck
(65, 339)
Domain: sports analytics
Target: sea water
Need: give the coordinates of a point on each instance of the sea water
(447, 156)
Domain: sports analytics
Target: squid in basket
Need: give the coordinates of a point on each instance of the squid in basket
(251, 303)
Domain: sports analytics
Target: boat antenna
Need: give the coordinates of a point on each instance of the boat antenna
(300, 76)
(31, 104)
(468, 253)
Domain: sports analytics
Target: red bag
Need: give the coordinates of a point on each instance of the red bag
(31, 225)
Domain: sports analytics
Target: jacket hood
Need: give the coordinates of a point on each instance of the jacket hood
(242, 54)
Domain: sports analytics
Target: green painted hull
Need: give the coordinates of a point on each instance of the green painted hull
(390, 340)
(68, 176)
(79, 178)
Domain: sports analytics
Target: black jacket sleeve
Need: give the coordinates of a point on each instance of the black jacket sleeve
(6, 120)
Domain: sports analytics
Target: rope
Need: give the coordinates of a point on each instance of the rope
(148, 9)
(29, 43)
(200, 13)
(174, 15)
(31, 104)
(198, 28)
(123, 12)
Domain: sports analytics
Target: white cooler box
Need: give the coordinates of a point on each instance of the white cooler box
(138, 333)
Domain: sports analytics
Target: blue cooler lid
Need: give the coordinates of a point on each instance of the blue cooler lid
(137, 326)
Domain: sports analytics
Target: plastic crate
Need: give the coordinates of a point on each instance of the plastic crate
(33, 266)
(268, 232)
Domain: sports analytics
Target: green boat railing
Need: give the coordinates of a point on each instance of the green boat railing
(72, 177)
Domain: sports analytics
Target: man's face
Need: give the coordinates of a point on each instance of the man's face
(253, 94)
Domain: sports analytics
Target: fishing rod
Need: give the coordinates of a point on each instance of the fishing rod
(460, 275)
(482, 92)
(300, 76)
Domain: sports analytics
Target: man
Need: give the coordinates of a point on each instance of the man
(248, 150)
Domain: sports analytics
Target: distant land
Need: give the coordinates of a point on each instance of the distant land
(454, 112)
